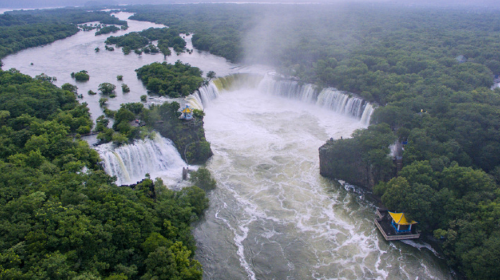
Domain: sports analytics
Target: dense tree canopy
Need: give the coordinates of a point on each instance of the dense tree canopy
(174, 80)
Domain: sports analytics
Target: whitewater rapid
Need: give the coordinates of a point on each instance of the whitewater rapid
(273, 216)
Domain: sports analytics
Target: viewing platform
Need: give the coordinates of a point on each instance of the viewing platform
(386, 226)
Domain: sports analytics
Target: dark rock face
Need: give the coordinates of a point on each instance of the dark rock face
(344, 159)
(336, 162)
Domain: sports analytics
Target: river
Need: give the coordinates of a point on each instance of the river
(272, 215)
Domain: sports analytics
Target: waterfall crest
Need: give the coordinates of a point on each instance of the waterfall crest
(329, 98)
(129, 163)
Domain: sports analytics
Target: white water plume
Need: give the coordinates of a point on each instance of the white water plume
(130, 163)
(329, 98)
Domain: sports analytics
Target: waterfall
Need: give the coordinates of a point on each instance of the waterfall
(329, 98)
(204, 95)
(289, 89)
(129, 163)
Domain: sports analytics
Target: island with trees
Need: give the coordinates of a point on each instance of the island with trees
(140, 42)
(188, 136)
(107, 30)
(173, 80)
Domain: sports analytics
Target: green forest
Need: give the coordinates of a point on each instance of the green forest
(429, 70)
(61, 215)
(20, 30)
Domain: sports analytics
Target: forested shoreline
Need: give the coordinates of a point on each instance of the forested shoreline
(429, 69)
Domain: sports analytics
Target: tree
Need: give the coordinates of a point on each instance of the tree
(102, 102)
(81, 76)
(107, 88)
(125, 88)
(211, 75)
(203, 179)
(69, 87)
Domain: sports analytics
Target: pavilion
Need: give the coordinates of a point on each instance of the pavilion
(400, 223)
(395, 226)
(187, 113)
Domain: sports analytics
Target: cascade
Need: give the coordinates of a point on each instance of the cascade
(129, 163)
(329, 98)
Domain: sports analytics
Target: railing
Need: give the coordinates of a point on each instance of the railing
(395, 237)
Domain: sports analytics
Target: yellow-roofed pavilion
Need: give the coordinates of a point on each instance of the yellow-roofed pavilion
(401, 223)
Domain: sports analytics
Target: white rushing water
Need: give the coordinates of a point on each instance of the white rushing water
(272, 216)
(130, 163)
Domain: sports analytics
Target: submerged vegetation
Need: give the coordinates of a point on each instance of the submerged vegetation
(81, 76)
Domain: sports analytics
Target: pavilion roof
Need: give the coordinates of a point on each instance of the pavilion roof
(187, 110)
(400, 219)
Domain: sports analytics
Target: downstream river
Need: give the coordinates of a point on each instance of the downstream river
(272, 215)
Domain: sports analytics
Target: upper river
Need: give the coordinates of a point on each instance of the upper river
(272, 216)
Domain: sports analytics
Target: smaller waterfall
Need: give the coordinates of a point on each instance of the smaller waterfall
(129, 163)
(289, 89)
(367, 114)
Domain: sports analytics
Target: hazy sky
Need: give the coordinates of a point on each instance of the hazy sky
(54, 3)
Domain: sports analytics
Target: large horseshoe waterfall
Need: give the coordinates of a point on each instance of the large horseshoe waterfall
(330, 98)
